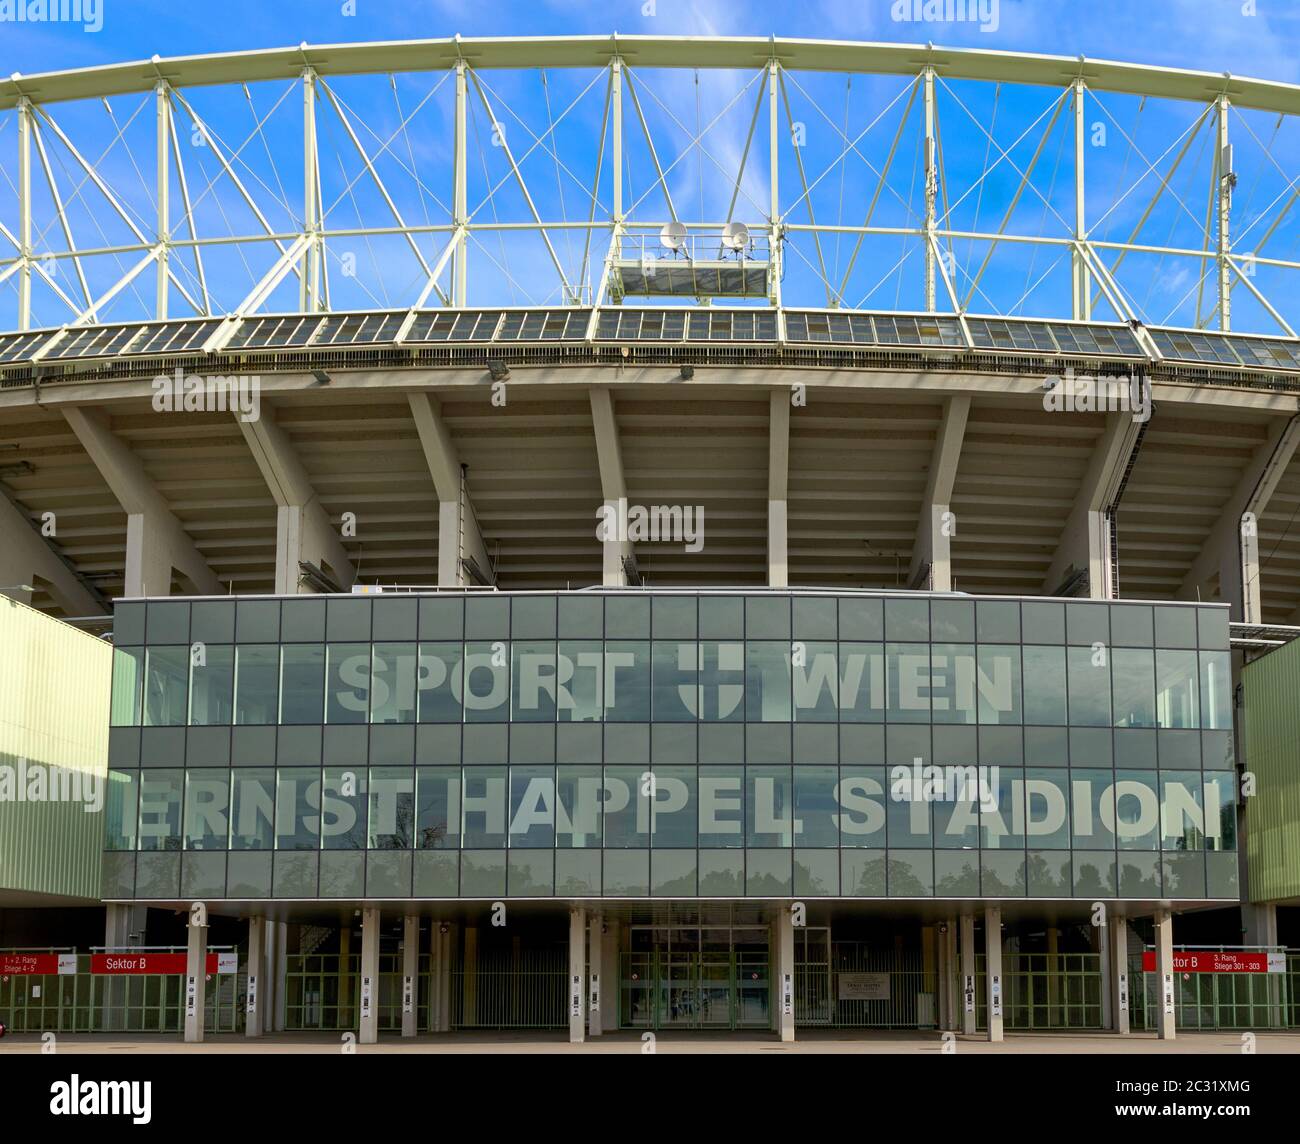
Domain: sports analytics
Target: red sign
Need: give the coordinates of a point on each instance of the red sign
(1210, 961)
(36, 964)
(169, 963)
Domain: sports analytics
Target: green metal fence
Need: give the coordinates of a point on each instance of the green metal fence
(694, 989)
(1044, 991)
(1243, 1001)
(83, 1002)
(323, 992)
(511, 989)
(905, 992)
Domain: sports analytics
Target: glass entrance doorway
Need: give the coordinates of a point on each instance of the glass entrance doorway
(692, 977)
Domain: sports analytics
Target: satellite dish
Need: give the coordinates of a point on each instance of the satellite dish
(735, 236)
(673, 236)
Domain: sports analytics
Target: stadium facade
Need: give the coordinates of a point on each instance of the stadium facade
(622, 666)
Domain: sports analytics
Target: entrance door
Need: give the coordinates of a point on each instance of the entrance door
(678, 978)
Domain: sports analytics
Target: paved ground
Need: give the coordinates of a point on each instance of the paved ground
(811, 1041)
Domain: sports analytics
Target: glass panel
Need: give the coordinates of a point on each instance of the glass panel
(257, 683)
(128, 677)
(160, 809)
(166, 680)
(207, 805)
(1133, 682)
(392, 683)
(252, 820)
(392, 808)
(302, 681)
(211, 684)
(120, 810)
(1177, 690)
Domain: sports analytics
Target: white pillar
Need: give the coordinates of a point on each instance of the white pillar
(595, 974)
(577, 974)
(954, 976)
(196, 980)
(410, 975)
(369, 1030)
(1165, 984)
(123, 926)
(968, 975)
(255, 997)
(785, 973)
(1119, 976)
(1104, 963)
(993, 969)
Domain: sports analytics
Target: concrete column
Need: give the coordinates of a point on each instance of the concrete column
(446, 942)
(954, 976)
(255, 1002)
(610, 976)
(785, 973)
(281, 975)
(930, 974)
(196, 981)
(595, 975)
(1119, 977)
(410, 975)
(1053, 973)
(470, 977)
(993, 969)
(369, 1023)
(1101, 946)
(124, 926)
(968, 975)
(1165, 984)
(1259, 927)
(577, 974)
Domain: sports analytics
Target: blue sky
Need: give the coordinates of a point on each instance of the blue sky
(1258, 38)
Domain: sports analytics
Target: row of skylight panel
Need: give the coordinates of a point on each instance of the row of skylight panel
(677, 325)
(621, 324)
(1234, 349)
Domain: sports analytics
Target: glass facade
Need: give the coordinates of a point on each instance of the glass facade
(634, 744)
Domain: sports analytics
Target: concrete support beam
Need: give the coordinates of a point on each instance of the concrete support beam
(596, 978)
(613, 488)
(785, 973)
(1121, 997)
(458, 531)
(1165, 982)
(124, 927)
(156, 543)
(410, 975)
(968, 974)
(577, 974)
(440, 946)
(1232, 548)
(368, 1034)
(778, 483)
(303, 531)
(931, 565)
(952, 977)
(1085, 540)
(993, 970)
(1101, 947)
(26, 556)
(254, 993)
(196, 982)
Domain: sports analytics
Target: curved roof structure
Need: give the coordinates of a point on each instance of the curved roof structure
(834, 293)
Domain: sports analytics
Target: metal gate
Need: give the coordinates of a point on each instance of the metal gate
(84, 1002)
(694, 989)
